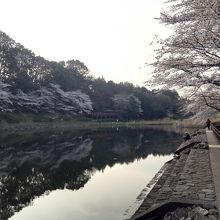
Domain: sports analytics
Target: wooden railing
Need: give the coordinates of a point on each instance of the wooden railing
(216, 128)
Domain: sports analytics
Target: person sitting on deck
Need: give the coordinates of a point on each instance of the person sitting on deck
(186, 136)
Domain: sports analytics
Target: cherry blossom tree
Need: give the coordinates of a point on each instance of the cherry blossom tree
(127, 105)
(51, 99)
(189, 59)
(5, 98)
(71, 102)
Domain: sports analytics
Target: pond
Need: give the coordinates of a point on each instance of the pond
(83, 175)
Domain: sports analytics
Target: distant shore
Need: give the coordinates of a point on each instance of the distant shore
(21, 122)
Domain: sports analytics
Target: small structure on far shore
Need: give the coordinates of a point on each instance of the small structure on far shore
(108, 114)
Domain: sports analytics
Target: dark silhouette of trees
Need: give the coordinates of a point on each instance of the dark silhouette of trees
(28, 79)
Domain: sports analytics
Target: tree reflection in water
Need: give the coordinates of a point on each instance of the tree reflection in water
(37, 163)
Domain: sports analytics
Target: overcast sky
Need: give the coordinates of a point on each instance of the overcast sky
(111, 37)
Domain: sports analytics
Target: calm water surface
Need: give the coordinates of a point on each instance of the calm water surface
(87, 175)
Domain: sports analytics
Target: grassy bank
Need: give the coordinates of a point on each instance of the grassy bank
(189, 123)
(216, 118)
(21, 121)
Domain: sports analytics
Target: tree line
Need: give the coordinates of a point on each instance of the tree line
(30, 83)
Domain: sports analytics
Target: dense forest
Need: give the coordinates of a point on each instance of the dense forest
(32, 84)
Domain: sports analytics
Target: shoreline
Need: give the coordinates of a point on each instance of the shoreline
(186, 182)
(87, 124)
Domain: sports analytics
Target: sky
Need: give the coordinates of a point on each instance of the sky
(112, 37)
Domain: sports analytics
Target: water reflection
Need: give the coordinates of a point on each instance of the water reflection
(35, 164)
